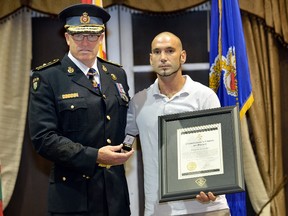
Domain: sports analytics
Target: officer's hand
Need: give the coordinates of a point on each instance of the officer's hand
(206, 198)
(113, 155)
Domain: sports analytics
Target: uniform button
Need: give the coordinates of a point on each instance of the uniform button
(104, 96)
(84, 176)
(109, 141)
(64, 178)
(108, 117)
(72, 106)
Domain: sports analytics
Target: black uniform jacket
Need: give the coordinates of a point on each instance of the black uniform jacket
(69, 121)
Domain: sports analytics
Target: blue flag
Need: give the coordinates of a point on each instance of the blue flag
(229, 72)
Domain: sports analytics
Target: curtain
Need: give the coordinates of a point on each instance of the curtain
(254, 183)
(16, 54)
(266, 29)
(265, 115)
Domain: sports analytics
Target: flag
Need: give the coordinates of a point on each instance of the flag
(102, 46)
(229, 73)
(1, 202)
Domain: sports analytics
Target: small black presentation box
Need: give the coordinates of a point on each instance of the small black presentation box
(128, 142)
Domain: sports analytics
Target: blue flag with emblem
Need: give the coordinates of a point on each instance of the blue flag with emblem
(229, 72)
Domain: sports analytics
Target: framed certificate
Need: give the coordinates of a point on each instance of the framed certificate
(200, 151)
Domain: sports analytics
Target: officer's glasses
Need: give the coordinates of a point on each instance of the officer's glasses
(90, 37)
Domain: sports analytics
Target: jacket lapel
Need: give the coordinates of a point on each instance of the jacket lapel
(104, 77)
(77, 75)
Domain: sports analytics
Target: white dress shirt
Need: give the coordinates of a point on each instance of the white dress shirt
(142, 119)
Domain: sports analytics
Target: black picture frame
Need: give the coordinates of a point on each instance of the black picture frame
(172, 188)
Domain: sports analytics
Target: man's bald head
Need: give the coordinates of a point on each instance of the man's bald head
(165, 37)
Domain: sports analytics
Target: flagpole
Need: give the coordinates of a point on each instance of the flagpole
(220, 30)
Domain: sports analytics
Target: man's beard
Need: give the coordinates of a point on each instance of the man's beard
(168, 74)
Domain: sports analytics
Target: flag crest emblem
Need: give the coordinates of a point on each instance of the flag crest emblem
(227, 64)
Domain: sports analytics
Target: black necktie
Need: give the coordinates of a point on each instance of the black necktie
(91, 75)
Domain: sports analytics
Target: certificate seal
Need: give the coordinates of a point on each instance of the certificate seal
(191, 166)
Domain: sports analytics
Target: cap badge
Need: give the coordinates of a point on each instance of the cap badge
(70, 70)
(114, 77)
(85, 18)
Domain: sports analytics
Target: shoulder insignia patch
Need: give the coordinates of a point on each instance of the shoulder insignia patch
(48, 64)
(35, 83)
(113, 63)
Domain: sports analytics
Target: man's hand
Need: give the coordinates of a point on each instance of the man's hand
(113, 155)
(206, 198)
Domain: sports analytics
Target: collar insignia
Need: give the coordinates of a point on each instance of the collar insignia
(114, 77)
(70, 70)
(104, 68)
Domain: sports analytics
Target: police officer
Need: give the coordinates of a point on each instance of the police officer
(77, 119)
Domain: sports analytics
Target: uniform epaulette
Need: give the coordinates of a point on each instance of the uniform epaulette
(48, 64)
(107, 61)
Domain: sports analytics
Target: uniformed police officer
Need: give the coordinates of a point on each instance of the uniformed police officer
(77, 119)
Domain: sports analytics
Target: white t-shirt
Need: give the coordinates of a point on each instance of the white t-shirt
(142, 119)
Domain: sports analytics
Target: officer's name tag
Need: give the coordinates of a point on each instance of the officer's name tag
(128, 142)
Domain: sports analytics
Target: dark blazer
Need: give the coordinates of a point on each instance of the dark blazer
(69, 121)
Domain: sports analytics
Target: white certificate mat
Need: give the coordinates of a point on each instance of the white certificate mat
(199, 151)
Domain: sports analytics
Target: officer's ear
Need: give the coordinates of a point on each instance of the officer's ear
(67, 37)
